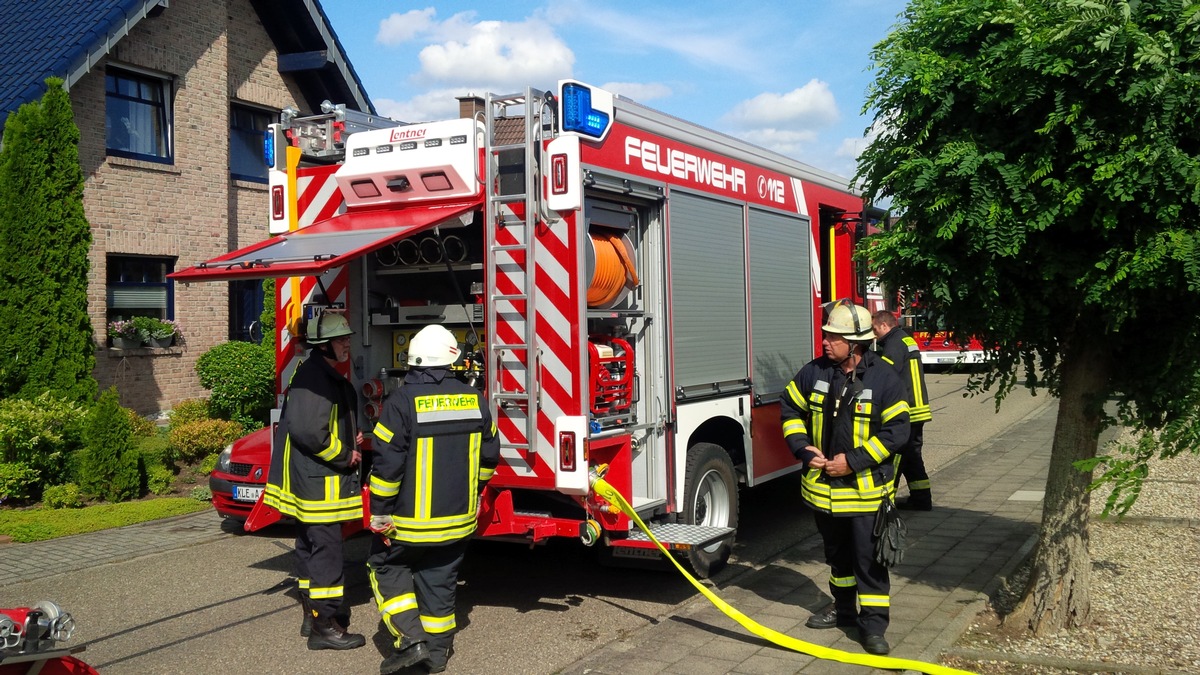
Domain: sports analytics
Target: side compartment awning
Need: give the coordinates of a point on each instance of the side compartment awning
(325, 245)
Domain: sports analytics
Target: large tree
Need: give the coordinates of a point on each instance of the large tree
(1044, 159)
(45, 332)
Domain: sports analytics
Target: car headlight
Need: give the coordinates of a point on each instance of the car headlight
(224, 463)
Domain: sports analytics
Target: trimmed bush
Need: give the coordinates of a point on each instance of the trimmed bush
(159, 480)
(155, 451)
(189, 410)
(66, 496)
(201, 438)
(141, 426)
(18, 481)
(241, 376)
(41, 433)
(209, 463)
(110, 468)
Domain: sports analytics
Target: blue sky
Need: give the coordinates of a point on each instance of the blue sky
(789, 76)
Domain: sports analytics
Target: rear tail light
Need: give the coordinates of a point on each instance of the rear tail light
(566, 451)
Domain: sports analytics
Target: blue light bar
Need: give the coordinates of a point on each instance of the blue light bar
(578, 114)
(269, 148)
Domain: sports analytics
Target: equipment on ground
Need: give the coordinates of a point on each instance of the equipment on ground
(30, 640)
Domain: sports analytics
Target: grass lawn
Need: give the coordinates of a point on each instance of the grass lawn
(39, 524)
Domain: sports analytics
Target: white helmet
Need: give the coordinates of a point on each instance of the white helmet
(850, 320)
(433, 346)
(327, 327)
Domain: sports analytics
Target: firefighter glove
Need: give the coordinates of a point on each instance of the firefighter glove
(890, 533)
(382, 524)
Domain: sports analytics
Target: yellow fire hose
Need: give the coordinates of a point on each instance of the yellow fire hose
(606, 491)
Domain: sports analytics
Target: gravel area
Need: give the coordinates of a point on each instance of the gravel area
(1145, 586)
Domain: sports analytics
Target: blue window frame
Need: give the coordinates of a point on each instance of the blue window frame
(247, 131)
(137, 116)
(137, 285)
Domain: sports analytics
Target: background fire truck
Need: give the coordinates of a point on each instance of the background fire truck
(632, 293)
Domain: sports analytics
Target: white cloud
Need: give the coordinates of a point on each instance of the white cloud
(808, 108)
(439, 104)
(497, 55)
(784, 141)
(400, 28)
(638, 91)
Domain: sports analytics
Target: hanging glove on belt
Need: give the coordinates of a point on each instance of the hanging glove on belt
(890, 534)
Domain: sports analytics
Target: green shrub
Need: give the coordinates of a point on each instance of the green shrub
(110, 468)
(241, 376)
(159, 480)
(201, 493)
(195, 440)
(41, 433)
(66, 496)
(25, 525)
(155, 451)
(189, 410)
(141, 426)
(18, 481)
(144, 325)
(209, 463)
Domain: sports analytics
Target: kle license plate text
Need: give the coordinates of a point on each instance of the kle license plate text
(246, 493)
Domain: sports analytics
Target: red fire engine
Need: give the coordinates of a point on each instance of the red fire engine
(631, 291)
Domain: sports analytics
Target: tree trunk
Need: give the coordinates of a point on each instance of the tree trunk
(1059, 591)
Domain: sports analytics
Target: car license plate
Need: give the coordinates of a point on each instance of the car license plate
(946, 359)
(246, 493)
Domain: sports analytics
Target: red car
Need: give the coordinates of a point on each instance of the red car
(241, 474)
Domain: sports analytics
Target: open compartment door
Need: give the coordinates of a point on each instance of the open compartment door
(325, 245)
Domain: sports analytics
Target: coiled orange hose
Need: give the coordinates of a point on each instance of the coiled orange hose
(614, 270)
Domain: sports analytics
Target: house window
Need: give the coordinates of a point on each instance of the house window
(245, 310)
(247, 131)
(137, 115)
(138, 286)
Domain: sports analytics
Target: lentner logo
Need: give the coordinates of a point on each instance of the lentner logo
(406, 134)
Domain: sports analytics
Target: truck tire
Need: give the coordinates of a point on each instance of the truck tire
(711, 499)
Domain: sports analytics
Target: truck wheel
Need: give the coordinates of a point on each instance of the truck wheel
(711, 500)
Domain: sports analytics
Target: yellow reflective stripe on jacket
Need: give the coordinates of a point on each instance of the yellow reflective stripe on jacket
(384, 488)
(793, 393)
(473, 466)
(842, 582)
(485, 474)
(423, 497)
(318, 593)
(335, 441)
(438, 624)
(890, 414)
(313, 511)
(407, 532)
(794, 426)
(447, 407)
(383, 433)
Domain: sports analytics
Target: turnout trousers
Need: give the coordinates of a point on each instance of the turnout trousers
(414, 589)
(319, 564)
(912, 467)
(855, 579)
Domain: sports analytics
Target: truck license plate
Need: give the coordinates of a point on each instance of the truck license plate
(246, 493)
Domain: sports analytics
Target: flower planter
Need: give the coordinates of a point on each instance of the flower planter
(126, 343)
(162, 343)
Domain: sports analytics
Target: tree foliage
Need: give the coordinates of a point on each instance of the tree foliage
(46, 344)
(1044, 158)
(110, 467)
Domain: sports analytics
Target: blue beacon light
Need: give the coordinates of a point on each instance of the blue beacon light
(578, 114)
(269, 148)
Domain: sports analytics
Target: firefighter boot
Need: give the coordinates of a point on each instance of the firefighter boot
(306, 624)
(439, 655)
(407, 654)
(918, 500)
(327, 634)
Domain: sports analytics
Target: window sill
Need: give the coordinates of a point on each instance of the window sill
(114, 353)
(249, 184)
(114, 160)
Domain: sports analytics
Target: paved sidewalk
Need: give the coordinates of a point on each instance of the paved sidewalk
(987, 507)
(42, 559)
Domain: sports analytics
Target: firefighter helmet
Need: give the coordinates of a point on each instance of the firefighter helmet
(327, 327)
(851, 321)
(433, 346)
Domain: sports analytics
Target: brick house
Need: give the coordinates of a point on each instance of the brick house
(171, 98)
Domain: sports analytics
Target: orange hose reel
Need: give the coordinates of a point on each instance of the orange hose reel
(615, 271)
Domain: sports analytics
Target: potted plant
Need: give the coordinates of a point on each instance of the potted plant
(163, 333)
(124, 334)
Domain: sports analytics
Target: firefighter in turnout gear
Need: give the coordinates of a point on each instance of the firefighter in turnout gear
(900, 350)
(314, 477)
(437, 449)
(844, 416)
